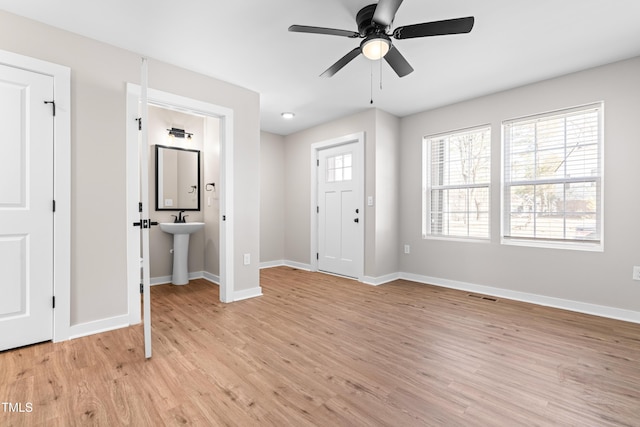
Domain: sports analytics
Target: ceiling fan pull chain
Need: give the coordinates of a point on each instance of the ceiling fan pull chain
(371, 88)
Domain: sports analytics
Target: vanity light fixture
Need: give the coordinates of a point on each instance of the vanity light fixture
(288, 115)
(179, 133)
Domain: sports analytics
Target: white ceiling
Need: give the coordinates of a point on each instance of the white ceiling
(513, 42)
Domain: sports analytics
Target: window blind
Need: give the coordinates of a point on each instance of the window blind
(457, 176)
(552, 176)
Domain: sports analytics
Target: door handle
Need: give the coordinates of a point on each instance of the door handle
(356, 220)
(145, 223)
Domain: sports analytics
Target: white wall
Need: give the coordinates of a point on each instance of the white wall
(601, 278)
(298, 181)
(387, 195)
(99, 74)
(272, 198)
(381, 182)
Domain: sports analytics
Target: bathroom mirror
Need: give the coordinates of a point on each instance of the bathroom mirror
(177, 179)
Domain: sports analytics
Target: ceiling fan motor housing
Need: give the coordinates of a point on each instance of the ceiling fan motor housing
(364, 19)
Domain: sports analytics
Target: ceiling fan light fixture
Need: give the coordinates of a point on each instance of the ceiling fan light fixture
(287, 115)
(376, 47)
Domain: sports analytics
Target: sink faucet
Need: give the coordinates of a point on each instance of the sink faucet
(180, 217)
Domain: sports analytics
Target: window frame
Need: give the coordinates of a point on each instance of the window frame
(427, 186)
(505, 217)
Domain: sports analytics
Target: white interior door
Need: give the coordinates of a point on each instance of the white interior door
(26, 207)
(145, 222)
(339, 210)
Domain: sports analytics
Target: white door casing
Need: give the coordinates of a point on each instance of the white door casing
(26, 207)
(337, 241)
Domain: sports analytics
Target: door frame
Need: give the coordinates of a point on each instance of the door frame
(359, 139)
(189, 106)
(61, 184)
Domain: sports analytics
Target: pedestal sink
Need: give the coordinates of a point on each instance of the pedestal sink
(181, 232)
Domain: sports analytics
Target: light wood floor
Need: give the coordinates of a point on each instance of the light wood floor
(321, 350)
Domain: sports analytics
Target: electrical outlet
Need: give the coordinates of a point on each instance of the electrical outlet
(407, 249)
(636, 272)
(247, 259)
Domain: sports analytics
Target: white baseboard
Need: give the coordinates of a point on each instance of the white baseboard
(271, 264)
(247, 293)
(298, 265)
(376, 281)
(163, 280)
(213, 278)
(577, 306)
(98, 326)
(285, 263)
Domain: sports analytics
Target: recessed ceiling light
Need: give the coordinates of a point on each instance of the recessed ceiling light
(288, 116)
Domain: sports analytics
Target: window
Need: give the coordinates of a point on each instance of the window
(339, 168)
(552, 192)
(456, 178)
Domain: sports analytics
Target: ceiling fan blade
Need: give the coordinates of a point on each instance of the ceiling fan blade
(435, 28)
(397, 62)
(386, 11)
(341, 63)
(321, 30)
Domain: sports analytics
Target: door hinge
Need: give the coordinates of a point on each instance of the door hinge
(54, 302)
(53, 104)
(224, 217)
(140, 207)
(54, 205)
(317, 162)
(139, 120)
(317, 209)
(317, 256)
(141, 288)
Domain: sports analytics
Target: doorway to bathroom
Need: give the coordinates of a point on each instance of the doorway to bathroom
(184, 183)
(216, 122)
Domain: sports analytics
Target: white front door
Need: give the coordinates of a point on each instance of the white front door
(339, 215)
(26, 207)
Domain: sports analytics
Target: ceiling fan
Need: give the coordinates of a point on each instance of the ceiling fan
(373, 23)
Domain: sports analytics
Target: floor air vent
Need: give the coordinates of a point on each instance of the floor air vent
(483, 297)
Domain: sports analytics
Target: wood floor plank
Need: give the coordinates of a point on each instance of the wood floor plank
(318, 350)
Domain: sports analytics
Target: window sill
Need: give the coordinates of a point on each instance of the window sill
(546, 244)
(457, 239)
